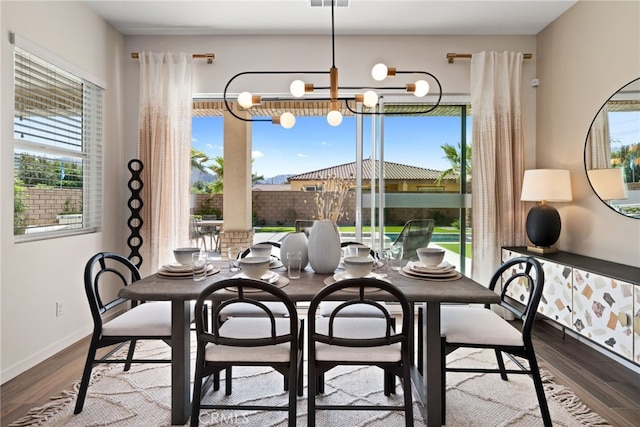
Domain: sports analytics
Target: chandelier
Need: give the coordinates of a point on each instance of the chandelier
(359, 100)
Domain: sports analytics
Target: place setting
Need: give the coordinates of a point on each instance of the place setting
(430, 266)
(191, 263)
(258, 268)
(356, 267)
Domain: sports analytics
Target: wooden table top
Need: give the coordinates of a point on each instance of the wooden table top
(463, 290)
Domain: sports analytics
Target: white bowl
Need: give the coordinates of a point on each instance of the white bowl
(254, 267)
(183, 255)
(358, 250)
(261, 250)
(358, 266)
(431, 257)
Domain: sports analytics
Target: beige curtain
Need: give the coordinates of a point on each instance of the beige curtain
(498, 216)
(598, 153)
(164, 147)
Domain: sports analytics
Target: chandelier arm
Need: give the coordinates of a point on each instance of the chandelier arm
(226, 89)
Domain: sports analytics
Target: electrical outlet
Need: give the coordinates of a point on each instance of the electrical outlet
(59, 308)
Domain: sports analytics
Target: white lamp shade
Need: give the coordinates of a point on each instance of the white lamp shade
(607, 183)
(287, 120)
(370, 99)
(297, 88)
(334, 117)
(422, 88)
(551, 185)
(379, 72)
(245, 99)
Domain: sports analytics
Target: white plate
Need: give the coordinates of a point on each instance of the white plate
(270, 277)
(344, 275)
(376, 264)
(419, 267)
(426, 275)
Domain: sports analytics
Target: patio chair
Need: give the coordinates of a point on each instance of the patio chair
(196, 234)
(303, 225)
(481, 327)
(415, 234)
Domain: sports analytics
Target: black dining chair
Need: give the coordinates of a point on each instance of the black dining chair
(342, 340)
(142, 321)
(267, 340)
(481, 327)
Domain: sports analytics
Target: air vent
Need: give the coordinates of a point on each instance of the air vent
(327, 3)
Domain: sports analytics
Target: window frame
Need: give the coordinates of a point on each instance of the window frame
(86, 150)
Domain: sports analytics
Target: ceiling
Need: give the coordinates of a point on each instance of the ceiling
(360, 17)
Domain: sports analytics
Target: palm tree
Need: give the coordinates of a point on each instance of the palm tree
(198, 160)
(218, 168)
(454, 156)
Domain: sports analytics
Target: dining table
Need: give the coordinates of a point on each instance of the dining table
(426, 296)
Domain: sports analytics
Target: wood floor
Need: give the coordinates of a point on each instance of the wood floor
(604, 385)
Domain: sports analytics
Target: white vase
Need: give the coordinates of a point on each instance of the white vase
(324, 247)
(295, 242)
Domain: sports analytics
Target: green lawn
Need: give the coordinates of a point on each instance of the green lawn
(455, 247)
(347, 229)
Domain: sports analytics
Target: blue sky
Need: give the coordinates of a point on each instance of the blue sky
(312, 144)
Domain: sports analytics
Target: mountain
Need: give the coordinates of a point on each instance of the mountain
(198, 175)
(278, 179)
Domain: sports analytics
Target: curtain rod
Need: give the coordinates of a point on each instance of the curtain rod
(452, 56)
(208, 56)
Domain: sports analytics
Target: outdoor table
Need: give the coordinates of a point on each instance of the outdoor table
(427, 294)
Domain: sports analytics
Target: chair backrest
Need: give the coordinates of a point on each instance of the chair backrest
(303, 225)
(104, 275)
(520, 271)
(246, 291)
(367, 292)
(415, 234)
(209, 217)
(194, 231)
(248, 250)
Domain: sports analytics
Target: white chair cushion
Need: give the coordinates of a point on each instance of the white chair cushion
(325, 308)
(250, 327)
(242, 309)
(356, 327)
(150, 319)
(473, 325)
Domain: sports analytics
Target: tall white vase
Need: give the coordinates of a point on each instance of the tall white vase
(295, 242)
(324, 247)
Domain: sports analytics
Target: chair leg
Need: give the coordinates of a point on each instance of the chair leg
(500, 360)
(132, 349)
(537, 382)
(197, 395)
(86, 376)
(443, 373)
(314, 384)
(408, 401)
(227, 381)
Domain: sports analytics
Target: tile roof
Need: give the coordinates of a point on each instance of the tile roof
(392, 171)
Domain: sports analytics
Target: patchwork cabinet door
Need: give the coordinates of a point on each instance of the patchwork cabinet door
(636, 324)
(603, 311)
(556, 299)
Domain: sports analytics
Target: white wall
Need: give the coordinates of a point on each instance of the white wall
(34, 275)
(585, 56)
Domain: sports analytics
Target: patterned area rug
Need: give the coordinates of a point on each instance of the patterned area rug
(141, 397)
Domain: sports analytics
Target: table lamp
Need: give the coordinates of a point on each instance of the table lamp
(608, 184)
(543, 221)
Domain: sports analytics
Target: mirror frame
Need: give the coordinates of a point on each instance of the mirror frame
(627, 98)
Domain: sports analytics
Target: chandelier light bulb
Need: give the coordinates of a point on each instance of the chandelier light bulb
(422, 88)
(379, 72)
(297, 88)
(370, 99)
(245, 99)
(287, 120)
(334, 118)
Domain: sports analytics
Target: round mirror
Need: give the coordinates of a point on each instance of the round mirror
(612, 151)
